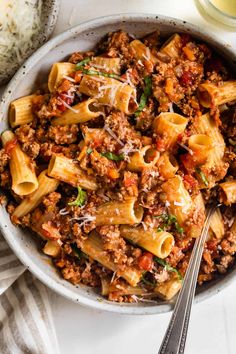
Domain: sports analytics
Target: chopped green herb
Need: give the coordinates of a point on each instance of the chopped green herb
(168, 267)
(168, 220)
(202, 176)
(99, 73)
(81, 198)
(78, 252)
(144, 97)
(146, 281)
(113, 157)
(89, 150)
(82, 63)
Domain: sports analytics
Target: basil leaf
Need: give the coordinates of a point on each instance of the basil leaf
(169, 220)
(82, 63)
(202, 176)
(168, 267)
(99, 73)
(144, 97)
(113, 157)
(89, 151)
(81, 198)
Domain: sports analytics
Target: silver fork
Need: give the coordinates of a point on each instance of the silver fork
(175, 336)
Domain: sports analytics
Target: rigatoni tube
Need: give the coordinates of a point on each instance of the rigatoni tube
(109, 91)
(159, 243)
(58, 71)
(180, 202)
(46, 185)
(214, 95)
(141, 51)
(172, 47)
(24, 180)
(169, 288)
(168, 127)
(217, 224)
(145, 157)
(52, 248)
(167, 165)
(119, 212)
(93, 247)
(110, 65)
(201, 146)
(20, 111)
(228, 192)
(80, 113)
(66, 170)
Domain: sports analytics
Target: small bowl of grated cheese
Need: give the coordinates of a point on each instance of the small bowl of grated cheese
(24, 26)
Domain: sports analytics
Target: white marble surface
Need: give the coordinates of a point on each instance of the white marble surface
(85, 331)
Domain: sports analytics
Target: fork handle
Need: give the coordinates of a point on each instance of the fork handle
(175, 336)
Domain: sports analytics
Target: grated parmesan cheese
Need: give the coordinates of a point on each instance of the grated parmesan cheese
(114, 136)
(20, 24)
(186, 148)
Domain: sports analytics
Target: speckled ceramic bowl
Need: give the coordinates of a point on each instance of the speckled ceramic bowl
(50, 9)
(34, 71)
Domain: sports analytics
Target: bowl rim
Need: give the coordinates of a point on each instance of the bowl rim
(179, 26)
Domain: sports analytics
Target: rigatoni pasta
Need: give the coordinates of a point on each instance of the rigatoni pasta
(228, 192)
(81, 113)
(93, 247)
(20, 111)
(109, 91)
(159, 243)
(58, 72)
(46, 185)
(66, 170)
(168, 126)
(215, 95)
(24, 180)
(118, 213)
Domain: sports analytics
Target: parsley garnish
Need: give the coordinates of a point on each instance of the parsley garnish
(169, 220)
(81, 198)
(113, 157)
(82, 63)
(168, 267)
(144, 97)
(100, 73)
(202, 176)
(89, 151)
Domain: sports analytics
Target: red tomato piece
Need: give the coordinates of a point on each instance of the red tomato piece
(145, 262)
(190, 182)
(186, 79)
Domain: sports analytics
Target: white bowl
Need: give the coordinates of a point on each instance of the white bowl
(34, 71)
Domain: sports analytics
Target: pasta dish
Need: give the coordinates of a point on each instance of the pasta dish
(114, 161)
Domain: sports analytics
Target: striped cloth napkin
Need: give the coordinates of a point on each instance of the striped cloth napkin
(26, 324)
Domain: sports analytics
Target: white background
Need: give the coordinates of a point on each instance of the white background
(81, 330)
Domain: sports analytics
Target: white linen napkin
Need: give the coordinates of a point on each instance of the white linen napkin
(26, 324)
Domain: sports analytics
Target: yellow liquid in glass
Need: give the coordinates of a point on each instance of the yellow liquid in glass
(226, 6)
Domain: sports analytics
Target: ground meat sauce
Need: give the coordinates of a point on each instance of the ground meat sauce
(173, 84)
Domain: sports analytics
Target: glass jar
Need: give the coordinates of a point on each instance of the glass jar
(223, 11)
